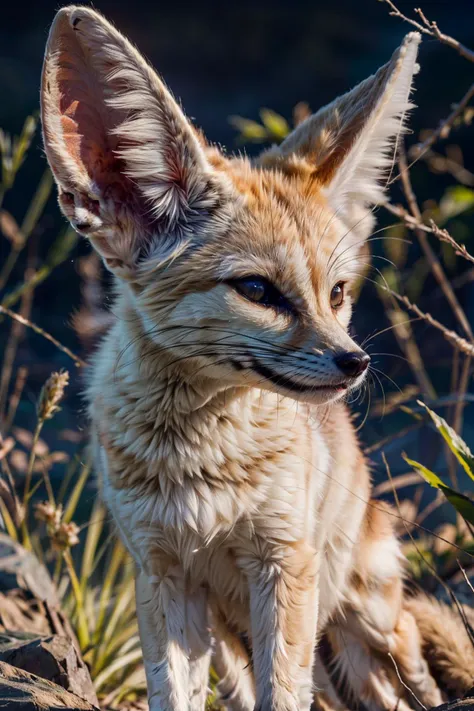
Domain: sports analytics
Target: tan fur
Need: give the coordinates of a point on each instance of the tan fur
(228, 460)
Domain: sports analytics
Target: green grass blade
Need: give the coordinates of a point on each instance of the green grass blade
(455, 443)
(73, 500)
(117, 559)
(463, 504)
(117, 665)
(94, 531)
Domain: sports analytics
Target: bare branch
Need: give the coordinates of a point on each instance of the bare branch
(430, 28)
(432, 259)
(454, 338)
(442, 234)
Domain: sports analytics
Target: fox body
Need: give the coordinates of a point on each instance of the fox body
(227, 457)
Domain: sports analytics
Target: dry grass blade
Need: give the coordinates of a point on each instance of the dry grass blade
(32, 216)
(18, 387)
(398, 482)
(6, 447)
(94, 531)
(9, 227)
(41, 332)
(14, 339)
(439, 163)
(58, 254)
(118, 665)
(392, 438)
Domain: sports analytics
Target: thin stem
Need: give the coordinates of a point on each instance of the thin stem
(27, 492)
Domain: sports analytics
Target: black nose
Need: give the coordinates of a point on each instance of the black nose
(352, 364)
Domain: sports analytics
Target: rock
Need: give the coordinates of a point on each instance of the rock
(22, 691)
(21, 569)
(19, 612)
(54, 658)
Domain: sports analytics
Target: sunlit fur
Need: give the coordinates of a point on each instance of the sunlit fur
(233, 474)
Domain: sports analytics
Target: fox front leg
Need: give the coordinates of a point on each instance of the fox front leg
(161, 611)
(283, 599)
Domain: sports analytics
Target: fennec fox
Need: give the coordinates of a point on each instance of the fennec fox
(228, 458)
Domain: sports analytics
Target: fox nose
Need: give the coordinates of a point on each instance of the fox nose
(352, 364)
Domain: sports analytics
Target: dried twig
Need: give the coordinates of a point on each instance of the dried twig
(392, 438)
(403, 333)
(25, 322)
(454, 338)
(405, 686)
(430, 28)
(442, 234)
(432, 259)
(465, 575)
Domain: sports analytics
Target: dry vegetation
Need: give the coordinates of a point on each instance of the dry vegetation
(424, 249)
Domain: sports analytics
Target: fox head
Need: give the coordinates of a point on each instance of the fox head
(240, 270)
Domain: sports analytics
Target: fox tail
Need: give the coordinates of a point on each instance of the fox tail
(448, 641)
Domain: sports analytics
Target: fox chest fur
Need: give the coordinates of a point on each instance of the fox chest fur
(196, 478)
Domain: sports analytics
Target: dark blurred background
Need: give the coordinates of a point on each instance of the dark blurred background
(232, 58)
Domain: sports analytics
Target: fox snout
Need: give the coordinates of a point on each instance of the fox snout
(352, 363)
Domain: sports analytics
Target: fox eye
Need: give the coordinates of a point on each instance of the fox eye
(337, 295)
(260, 291)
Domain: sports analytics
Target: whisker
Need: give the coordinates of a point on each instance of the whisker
(374, 374)
(390, 355)
(366, 412)
(372, 238)
(364, 217)
(377, 370)
(333, 216)
(182, 329)
(388, 328)
(356, 261)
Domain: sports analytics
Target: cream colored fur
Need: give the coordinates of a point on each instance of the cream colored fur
(228, 460)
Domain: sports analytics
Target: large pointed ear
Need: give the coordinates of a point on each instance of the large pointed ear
(352, 142)
(130, 168)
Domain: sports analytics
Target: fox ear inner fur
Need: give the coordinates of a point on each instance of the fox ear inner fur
(128, 163)
(352, 142)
